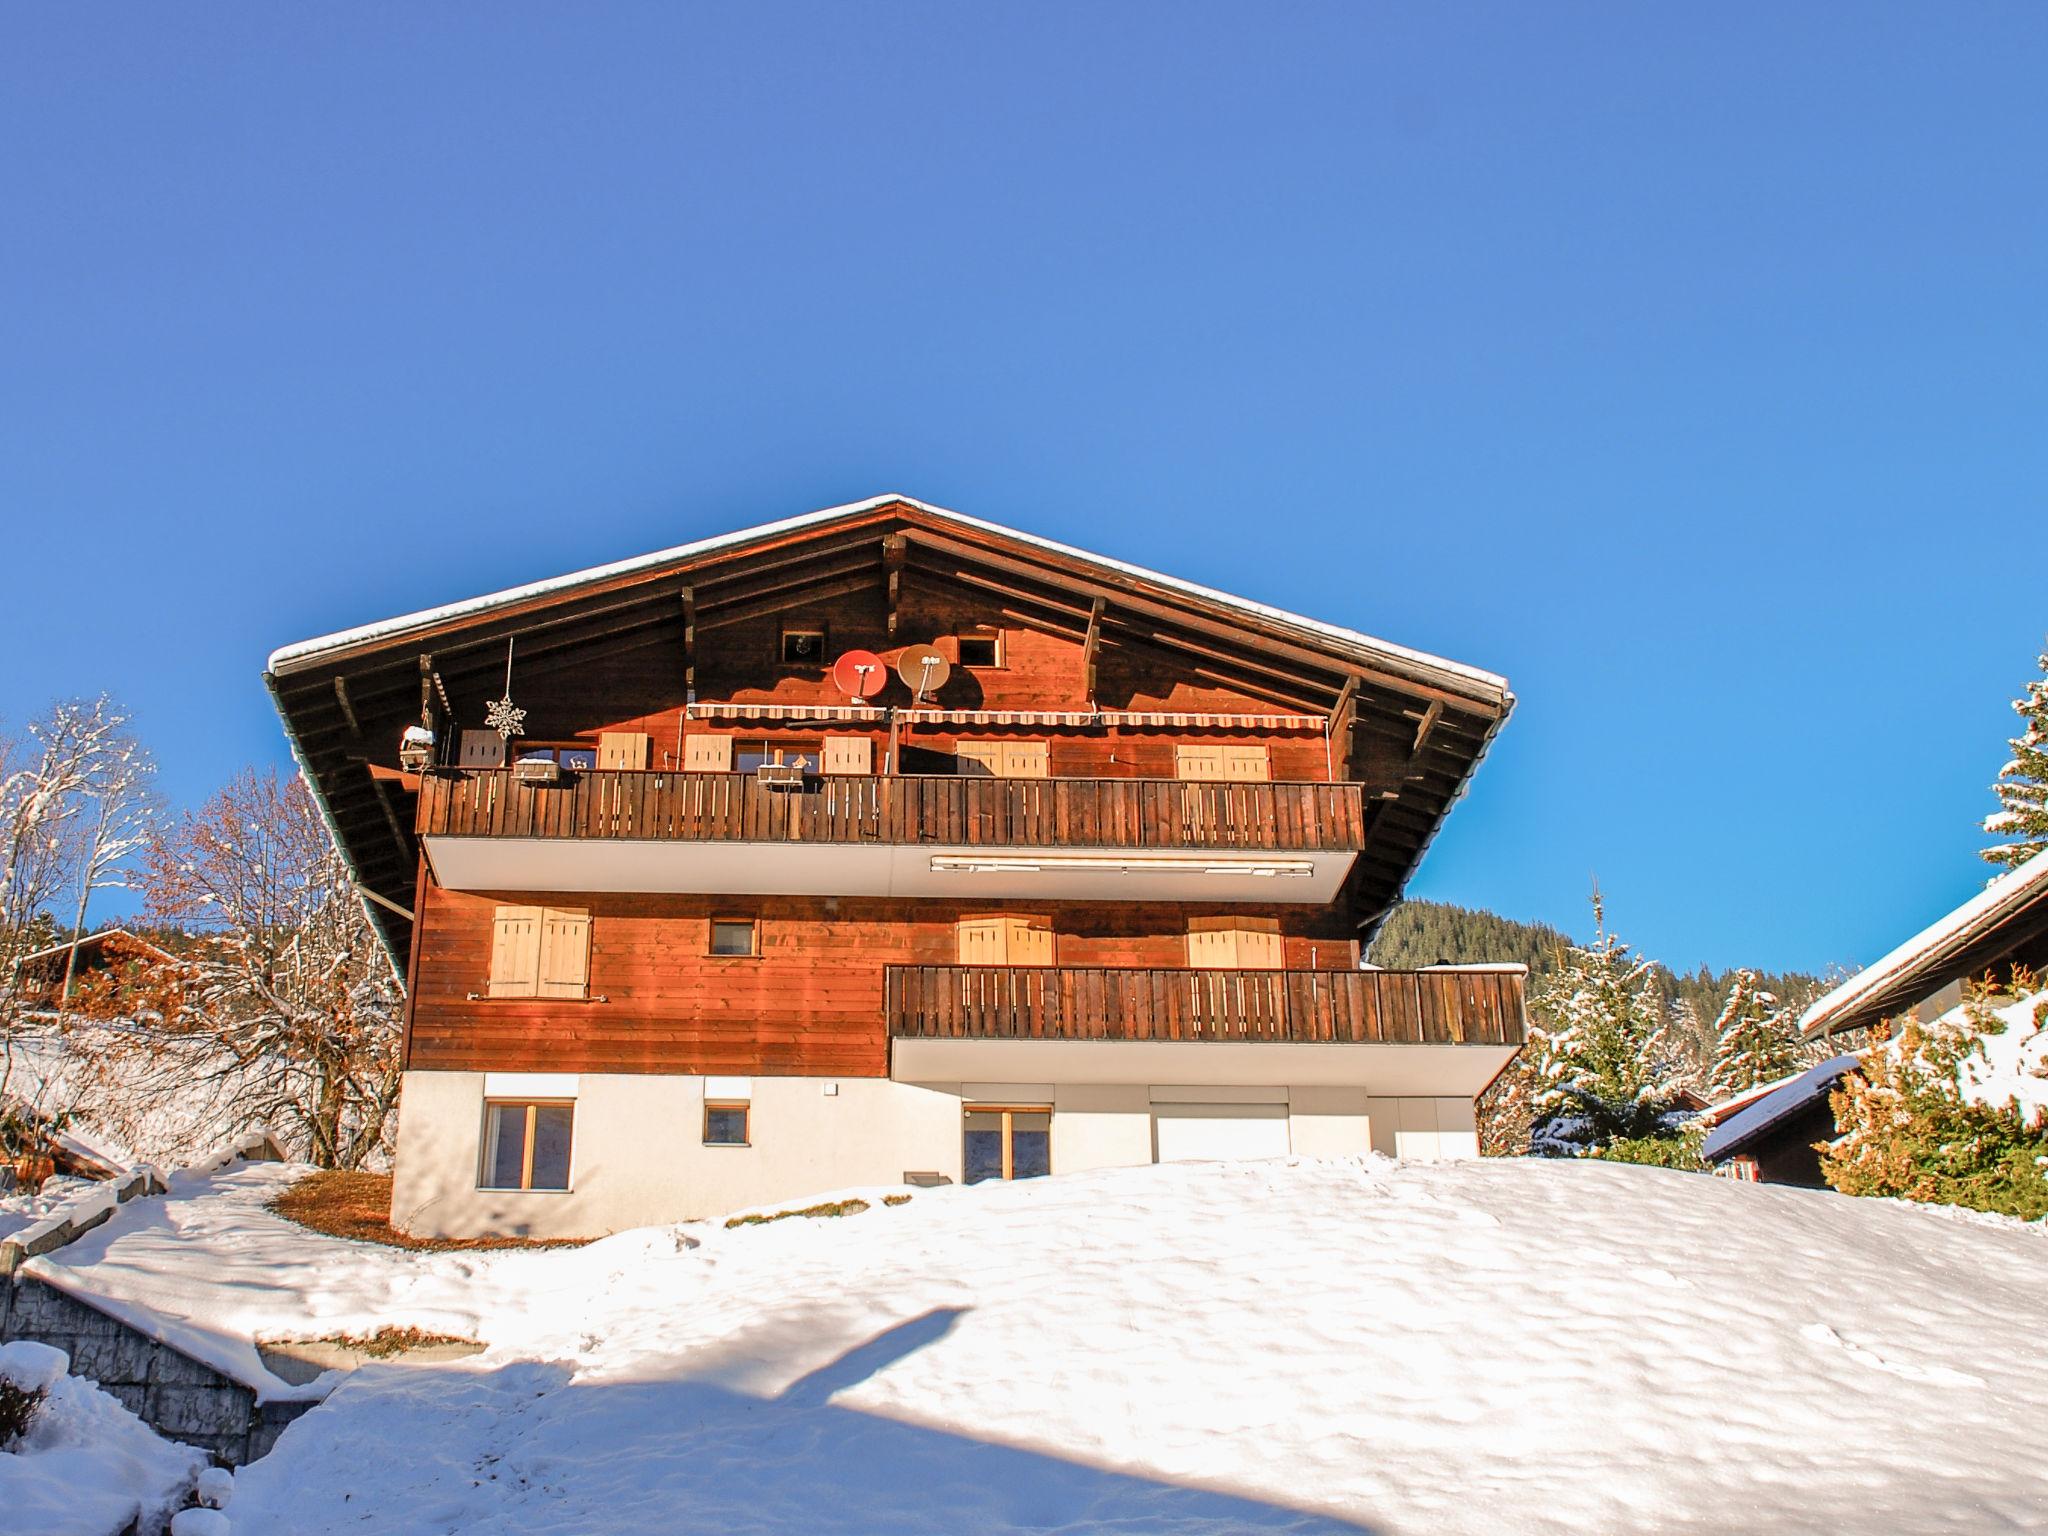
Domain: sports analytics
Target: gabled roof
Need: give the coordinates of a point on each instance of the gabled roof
(2010, 912)
(1364, 648)
(90, 941)
(1742, 1131)
(345, 697)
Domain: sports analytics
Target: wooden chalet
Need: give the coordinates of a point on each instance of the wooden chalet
(885, 843)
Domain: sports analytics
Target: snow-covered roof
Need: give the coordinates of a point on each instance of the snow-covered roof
(1773, 1109)
(1939, 954)
(304, 653)
(88, 940)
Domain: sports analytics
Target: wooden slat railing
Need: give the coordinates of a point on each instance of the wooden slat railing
(1013, 813)
(1067, 1002)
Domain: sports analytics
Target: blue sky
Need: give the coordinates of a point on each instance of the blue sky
(1689, 367)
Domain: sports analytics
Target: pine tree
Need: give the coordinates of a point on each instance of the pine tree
(1755, 1039)
(2022, 787)
(1598, 1059)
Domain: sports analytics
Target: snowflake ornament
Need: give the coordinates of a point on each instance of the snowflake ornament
(504, 718)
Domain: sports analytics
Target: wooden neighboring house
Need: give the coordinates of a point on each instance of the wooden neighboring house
(1770, 1134)
(1074, 874)
(104, 957)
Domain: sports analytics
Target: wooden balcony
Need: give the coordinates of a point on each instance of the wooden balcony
(1438, 1007)
(1128, 814)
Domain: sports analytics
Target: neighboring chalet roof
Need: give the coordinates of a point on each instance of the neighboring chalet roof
(90, 941)
(1742, 1131)
(345, 697)
(2008, 914)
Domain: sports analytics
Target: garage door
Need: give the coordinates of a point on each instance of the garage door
(1181, 1132)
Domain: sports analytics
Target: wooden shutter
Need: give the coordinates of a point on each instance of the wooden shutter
(1259, 948)
(564, 954)
(1211, 948)
(622, 749)
(1234, 943)
(515, 951)
(982, 941)
(1030, 941)
(1252, 764)
(1197, 762)
(706, 753)
(848, 754)
(482, 749)
(1026, 760)
(980, 758)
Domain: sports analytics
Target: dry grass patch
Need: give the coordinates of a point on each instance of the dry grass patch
(358, 1206)
(829, 1208)
(385, 1342)
(895, 1199)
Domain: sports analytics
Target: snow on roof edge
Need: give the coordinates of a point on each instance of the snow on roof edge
(288, 658)
(1773, 1109)
(1980, 913)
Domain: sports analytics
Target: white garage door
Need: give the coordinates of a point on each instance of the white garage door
(1181, 1132)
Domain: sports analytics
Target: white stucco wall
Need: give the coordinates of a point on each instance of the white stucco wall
(638, 1156)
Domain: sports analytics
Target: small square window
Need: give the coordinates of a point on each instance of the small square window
(733, 935)
(981, 650)
(803, 647)
(725, 1125)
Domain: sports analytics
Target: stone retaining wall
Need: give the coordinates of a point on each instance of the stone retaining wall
(167, 1389)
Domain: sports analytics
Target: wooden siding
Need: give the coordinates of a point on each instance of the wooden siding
(1031, 813)
(811, 1001)
(942, 1002)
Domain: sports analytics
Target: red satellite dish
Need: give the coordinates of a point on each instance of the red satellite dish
(858, 674)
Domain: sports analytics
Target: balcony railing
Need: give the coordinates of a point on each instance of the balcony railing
(956, 812)
(965, 1002)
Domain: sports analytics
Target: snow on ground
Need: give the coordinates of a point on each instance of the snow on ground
(1298, 1346)
(87, 1466)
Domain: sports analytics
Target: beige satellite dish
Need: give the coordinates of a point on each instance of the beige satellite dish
(923, 670)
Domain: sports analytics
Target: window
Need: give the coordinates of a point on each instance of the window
(540, 952)
(526, 1145)
(803, 647)
(1004, 759)
(1006, 1143)
(749, 755)
(735, 936)
(1210, 761)
(725, 1125)
(1005, 941)
(981, 650)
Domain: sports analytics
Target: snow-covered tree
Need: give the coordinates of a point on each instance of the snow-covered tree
(292, 1010)
(2021, 819)
(54, 777)
(1756, 1038)
(1599, 1059)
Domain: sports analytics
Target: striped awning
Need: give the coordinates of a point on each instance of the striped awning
(858, 712)
(1072, 718)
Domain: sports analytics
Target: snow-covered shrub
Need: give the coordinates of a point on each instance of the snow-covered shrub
(27, 1372)
(1680, 1151)
(1912, 1128)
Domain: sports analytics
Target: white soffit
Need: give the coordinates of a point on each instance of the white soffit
(827, 869)
(1395, 1071)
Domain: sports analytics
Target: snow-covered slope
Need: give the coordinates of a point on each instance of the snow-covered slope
(1501, 1346)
